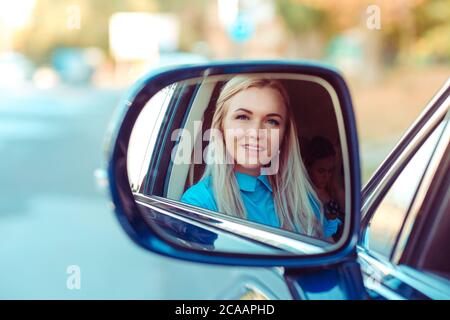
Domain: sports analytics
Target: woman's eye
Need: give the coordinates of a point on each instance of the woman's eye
(273, 122)
(242, 117)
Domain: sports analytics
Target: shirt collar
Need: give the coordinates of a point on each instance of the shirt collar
(247, 182)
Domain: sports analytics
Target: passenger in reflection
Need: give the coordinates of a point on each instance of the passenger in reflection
(321, 164)
(254, 169)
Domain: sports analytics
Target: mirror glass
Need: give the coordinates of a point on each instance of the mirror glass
(245, 163)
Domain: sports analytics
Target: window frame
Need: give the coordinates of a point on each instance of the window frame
(408, 206)
(401, 264)
(158, 122)
(426, 212)
(162, 161)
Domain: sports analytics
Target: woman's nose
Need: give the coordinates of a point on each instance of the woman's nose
(257, 129)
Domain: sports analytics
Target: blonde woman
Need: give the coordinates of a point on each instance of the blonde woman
(254, 169)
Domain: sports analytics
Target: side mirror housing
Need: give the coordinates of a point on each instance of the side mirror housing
(148, 185)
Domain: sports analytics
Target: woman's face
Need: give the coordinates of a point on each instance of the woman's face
(254, 126)
(321, 171)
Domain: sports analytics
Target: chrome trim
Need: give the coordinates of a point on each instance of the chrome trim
(388, 294)
(199, 225)
(254, 232)
(415, 280)
(433, 286)
(405, 154)
(374, 281)
(253, 293)
(424, 186)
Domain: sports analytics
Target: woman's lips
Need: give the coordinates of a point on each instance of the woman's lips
(253, 147)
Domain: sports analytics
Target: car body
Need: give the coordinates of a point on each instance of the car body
(354, 272)
(16, 67)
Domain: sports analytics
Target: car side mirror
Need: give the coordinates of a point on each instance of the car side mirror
(231, 162)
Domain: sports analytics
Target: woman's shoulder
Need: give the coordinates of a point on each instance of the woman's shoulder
(202, 185)
(200, 194)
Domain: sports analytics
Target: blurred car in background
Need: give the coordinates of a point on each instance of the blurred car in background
(15, 68)
(76, 66)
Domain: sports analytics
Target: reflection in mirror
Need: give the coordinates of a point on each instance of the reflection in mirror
(253, 158)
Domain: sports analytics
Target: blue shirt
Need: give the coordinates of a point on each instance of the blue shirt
(256, 193)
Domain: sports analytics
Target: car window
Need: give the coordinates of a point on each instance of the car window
(317, 136)
(144, 134)
(385, 224)
(240, 143)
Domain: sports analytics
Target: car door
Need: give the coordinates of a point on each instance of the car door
(405, 208)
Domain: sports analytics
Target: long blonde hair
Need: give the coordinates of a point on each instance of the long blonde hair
(291, 186)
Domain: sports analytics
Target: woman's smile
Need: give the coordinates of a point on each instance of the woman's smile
(253, 147)
(253, 152)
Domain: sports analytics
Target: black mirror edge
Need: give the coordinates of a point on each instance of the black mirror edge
(128, 213)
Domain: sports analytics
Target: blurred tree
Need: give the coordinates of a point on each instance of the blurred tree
(306, 25)
(53, 25)
(415, 29)
(299, 17)
(192, 17)
(433, 32)
(409, 29)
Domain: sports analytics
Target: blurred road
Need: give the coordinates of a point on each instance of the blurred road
(52, 215)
